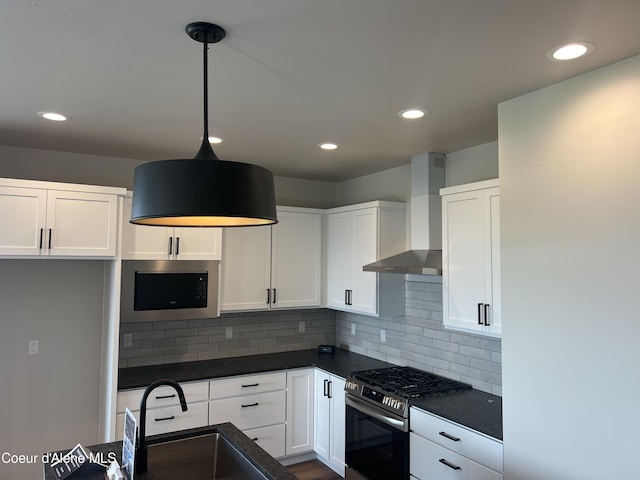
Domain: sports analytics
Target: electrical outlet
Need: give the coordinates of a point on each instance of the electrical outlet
(33, 347)
(228, 332)
(353, 329)
(128, 340)
(301, 327)
(383, 335)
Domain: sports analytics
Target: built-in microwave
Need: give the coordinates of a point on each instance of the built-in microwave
(156, 290)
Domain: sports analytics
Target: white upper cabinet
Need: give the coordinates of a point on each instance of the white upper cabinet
(471, 257)
(356, 236)
(275, 266)
(57, 220)
(140, 242)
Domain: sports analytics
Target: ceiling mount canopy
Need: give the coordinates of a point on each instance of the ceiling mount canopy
(203, 191)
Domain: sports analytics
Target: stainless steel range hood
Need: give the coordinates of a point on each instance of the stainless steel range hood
(425, 256)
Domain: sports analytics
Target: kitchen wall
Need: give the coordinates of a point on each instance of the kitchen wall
(570, 224)
(50, 400)
(251, 333)
(419, 339)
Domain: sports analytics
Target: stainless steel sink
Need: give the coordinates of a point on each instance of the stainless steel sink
(206, 457)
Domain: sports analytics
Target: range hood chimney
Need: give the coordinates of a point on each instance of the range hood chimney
(425, 256)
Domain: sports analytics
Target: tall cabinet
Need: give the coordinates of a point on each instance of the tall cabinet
(330, 414)
(356, 236)
(471, 257)
(275, 266)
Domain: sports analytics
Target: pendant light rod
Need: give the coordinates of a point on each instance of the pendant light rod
(205, 33)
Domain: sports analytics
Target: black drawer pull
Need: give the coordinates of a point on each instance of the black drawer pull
(250, 405)
(165, 418)
(450, 465)
(177, 245)
(50, 239)
(450, 437)
(170, 245)
(162, 397)
(41, 233)
(250, 385)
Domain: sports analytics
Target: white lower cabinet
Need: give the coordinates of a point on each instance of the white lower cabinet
(444, 450)
(329, 414)
(256, 404)
(164, 414)
(300, 411)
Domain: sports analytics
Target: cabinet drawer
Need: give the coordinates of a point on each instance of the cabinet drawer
(429, 460)
(247, 384)
(250, 411)
(271, 439)
(455, 437)
(162, 396)
(169, 419)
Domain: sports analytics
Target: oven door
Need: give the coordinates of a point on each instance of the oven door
(376, 442)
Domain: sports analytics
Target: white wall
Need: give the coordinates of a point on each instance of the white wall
(570, 230)
(49, 401)
(391, 185)
(472, 164)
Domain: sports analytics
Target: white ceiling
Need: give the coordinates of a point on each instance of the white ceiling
(289, 75)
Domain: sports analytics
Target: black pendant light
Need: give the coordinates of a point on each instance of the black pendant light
(203, 191)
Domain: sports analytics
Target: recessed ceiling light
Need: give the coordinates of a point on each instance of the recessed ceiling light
(328, 146)
(569, 51)
(56, 117)
(412, 113)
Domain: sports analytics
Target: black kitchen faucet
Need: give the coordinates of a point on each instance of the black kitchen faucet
(141, 452)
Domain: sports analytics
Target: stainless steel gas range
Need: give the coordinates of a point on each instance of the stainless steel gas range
(377, 419)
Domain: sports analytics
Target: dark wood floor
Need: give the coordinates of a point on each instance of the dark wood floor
(313, 470)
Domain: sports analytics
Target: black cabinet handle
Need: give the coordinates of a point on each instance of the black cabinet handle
(449, 464)
(165, 419)
(161, 397)
(268, 296)
(250, 385)
(480, 314)
(50, 239)
(346, 297)
(486, 314)
(274, 296)
(329, 389)
(325, 390)
(41, 235)
(177, 245)
(349, 297)
(250, 405)
(170, 245)
(450, 437)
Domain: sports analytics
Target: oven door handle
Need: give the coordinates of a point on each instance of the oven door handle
(398, 423)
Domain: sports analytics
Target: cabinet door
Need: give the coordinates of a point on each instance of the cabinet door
(338, 418)
(246, 268)
(83, 224)
(295, 260)
(321, 408)
(23, 215)
(471, 260)
(140, 242)
(198, 243)
(299, 411)
(364, 248)
(463, 258)
(339, 261)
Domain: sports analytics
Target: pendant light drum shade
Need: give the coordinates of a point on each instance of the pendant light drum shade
(205, 193)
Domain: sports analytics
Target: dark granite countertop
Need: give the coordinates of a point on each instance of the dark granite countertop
(474, 409)
(341, 363)
(256, 455)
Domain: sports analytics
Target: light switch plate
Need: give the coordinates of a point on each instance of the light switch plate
(33, 347)
(383, 335)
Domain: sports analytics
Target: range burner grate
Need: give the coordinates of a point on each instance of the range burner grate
(409, 382)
